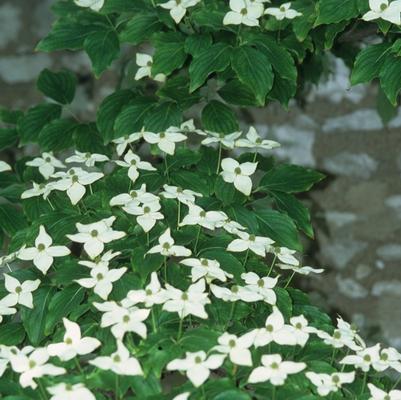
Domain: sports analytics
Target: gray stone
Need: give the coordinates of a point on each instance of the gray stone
(360, 120)
(394, 202)
(389, 252)
(351, 288)
(339, 219)
(386, 288)
(10, 23)
(341, 253)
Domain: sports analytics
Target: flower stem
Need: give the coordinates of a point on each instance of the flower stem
(180, 329)
(246, 258)
(272, 265)
(197, 239)
(78, 365)
(255, 156)
(178, 215)
(147, 238)
(166, 169)
(289, 280)
(396, 383)
(154, 325)
(117, 394)
(230, 317)
(42, 390)
(165, 269)
(51, 205)
(219, 160)
(274, 393)
(365, 376)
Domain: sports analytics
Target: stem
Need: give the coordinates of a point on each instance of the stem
(42, 390)
(90, 189)
(166, 170)
(289, 280)
(255, 156)
(147, 238)
(203, 392)
(333, 354)
(154, 325)
(230, 317)
(78, 365)
(51, 205)
(396, 383)
(165, 269)
(272, 265)
(197, 239)
(274, 393)
(178, 215)
(365, 376)
(180, 329)
(246, 258)
(117, 388)
(219, 159)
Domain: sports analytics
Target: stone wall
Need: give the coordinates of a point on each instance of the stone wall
(357, 210)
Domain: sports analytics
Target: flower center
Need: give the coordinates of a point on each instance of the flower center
(148, 292)
(258, 140)
(146, 209)
(282, 9)
(117, 358)
(133, 162)
(126, 318)
(162, 135)
(204, 262)
(126, 137)
(41, 247)
(335, 379)
(274, 365)
(99, 276)
(184, 296)
(68, 387)
(298, 325)
(234, 289)
(18, 289)
(383, 6)
(71, 172)
(32, 364)
(149, 64)
(337, 335)
(180, 190)
(384, 356)
(42, 186)
(252, 238)
(244, 11)
(202, 214)
(231, 343)
(387, 397)
(13, 351)
(237, 171)
(367, 358)
(261, 283)
(269, 328)
(74, 179)
(48, 159)
(68, 340)
(94, 233)
(166, 246)
(88, 155)
(198, 360)
(133, 194)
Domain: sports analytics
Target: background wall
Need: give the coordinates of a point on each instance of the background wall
(357, 210)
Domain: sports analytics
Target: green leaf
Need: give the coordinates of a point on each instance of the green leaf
(278, 227)
(62, 304)
(228, 262)
(191, 180)
(103, 47)
(194, 44)
(227, 193)
(295, 209)
(11, 219)
(386, 110)
(214, 59)
(109, 110)
(235, 92)
(10, 116)
(57, 135)
(163, 116)
(169, 53)
(368, 63)
(59, 86)
(233, 394)
(34, 319)
(30, 125)
(390, 78)
(290, 179)
(254, 70)
(217, 117)
(8, 137)
(140, 28)
(87, 139)
(11, 334)
(333, 11)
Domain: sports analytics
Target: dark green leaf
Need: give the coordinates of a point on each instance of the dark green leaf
(8, 137)
(140, 28)
(59, 86)
(11, 334)
(196, 43)
(333, 11)
(163, 116)
(217, 117)
(390, 78)
(11, 219)
(57, 135)
(235, 92)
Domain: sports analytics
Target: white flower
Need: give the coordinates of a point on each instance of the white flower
(378, 394)
(184, 196)
(95, 235)
(189, 126)
(285, 255)
(145, 62)
(178, 8)
(152, 294)
(389, 357)
(100, 261)
(147, 214)
(124, 141)
(275, 370)
(275, 330)
(73, 343)
(237, 348)
(119, 362)
(4, 166)
(198, 216)
(166, 247)
(263, 286)
(86, 158)
(20, 293)
(8, 258)
(74, 182)
(243, 12)
(94, 5)
(383, 9)
(364, 359)
(197, 366)
(257, 244)
(102, 280)
(302, 330)
(327, 384)
(204, 268)
(192, 301)
(123, 318)
(33, 365)
(182, 396)
(300, 270)
(253, 140)
(39, 189)
(67, 391)
(282, 12)
(7, 307)
(350, 331)
(229, 225)
(43, 253)
(134, 198)
(239, 174)
(225, 140)
(133, 163)
(235, 293)
(47, 164)
(165, 140)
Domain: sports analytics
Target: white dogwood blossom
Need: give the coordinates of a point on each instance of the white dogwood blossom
(44, 252)
(94, 236)
(47, 164)
(32, 364)
(102, 279)
(166, 140)
(198, 216)
(300, 270)
(73, 343)
(302, 330)
(7, 307)
(147, 214)
(379, 394)
(326, 384)
(238, 174)
(283, 12)
(178, 8)
(243, 12)
(197, 366)
(263, 286)
(236, 348)
(388, 11)
(134, 163)
(124, 141)
(68, 391)
(235, 293)
(229, 225)
(38, 189)
(275, 370)
(228, 141)
(184, 196)
(167, 247)
(100, 261)
(89, 159)
(389, 358)
(364, 359)
(253, 140)
(204, 268)
(120, 362)
(134, 198)
(20, 293)
(152, 294)
(285, 255)
(246, 241)
(74, 181)
(94, 5)
(4, 166)
(145, 63)
(189, 302)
